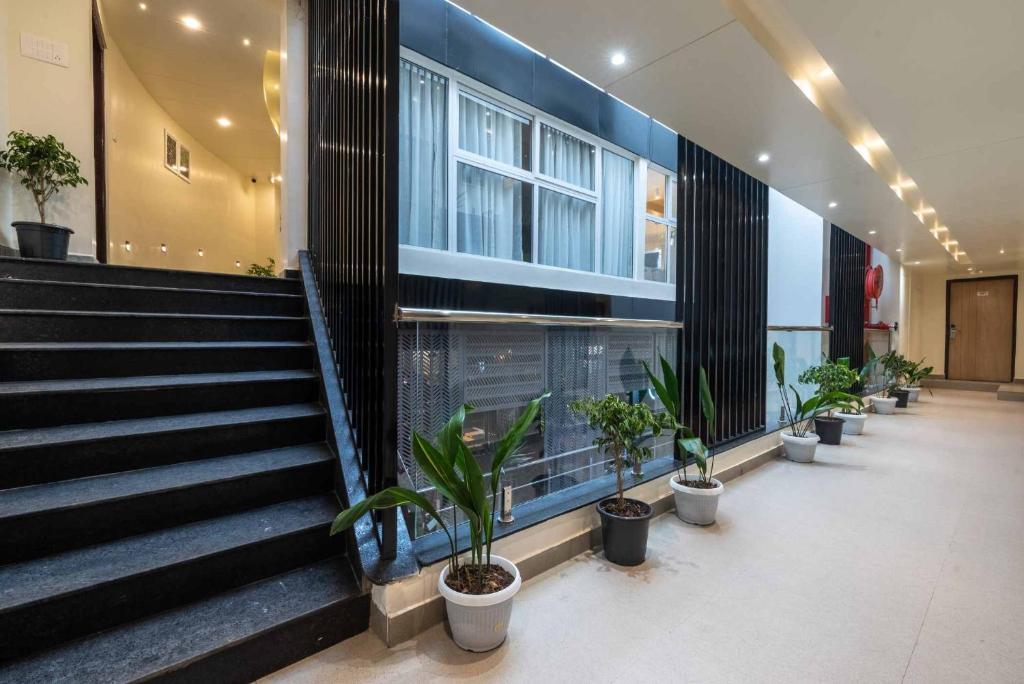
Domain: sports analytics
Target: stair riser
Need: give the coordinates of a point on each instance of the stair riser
(20, 467)
(86, 273)
(33, 364)
(36, 410)
(72, 297)
(84, 328)
(41, 625)
(271, 651)
(34, 536)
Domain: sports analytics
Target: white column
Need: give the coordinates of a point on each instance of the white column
(294, 134)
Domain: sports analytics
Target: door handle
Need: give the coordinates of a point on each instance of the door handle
(952, 331)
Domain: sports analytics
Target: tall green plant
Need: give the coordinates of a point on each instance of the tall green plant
(687, 440)
(830, 377)
(623, 428)
(897, 370)
(801, 415)
(44, 164)
(457, 476)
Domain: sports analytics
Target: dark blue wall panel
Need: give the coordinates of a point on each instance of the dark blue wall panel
(625, 126)
(564, 96)
(422, 26)
(664, 146)
(478, 51)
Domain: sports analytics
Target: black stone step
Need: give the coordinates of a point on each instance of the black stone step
(52, 295)
(231, 638)
(46, 403)
(47, 601)
(33, 325)
(50, 518)
(71, 451)
(57, 360)
(78, 272)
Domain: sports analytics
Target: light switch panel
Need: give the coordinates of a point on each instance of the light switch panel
(44, 49)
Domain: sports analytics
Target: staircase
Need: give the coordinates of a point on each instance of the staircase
(165, 485)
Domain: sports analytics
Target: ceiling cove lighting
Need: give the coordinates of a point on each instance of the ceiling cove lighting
(223, 121)
(826, 73)
(618, 58)
(864, 152)
(764, 157)
(872, 232)
(191, 23)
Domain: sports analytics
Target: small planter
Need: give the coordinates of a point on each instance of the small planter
(479, 622)
(42, 240)
(799, 449)
(695, 505)
(902, 397)
(625, 539)
(853, 423)
(830, 430)
(884, 405)
(913, 393)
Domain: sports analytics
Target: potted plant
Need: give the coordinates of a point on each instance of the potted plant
(624, 428)
(696, 500)
(853, 421)
(479, 592)
(916, 372)
(896, 368)
(830, 377)
(45, 166)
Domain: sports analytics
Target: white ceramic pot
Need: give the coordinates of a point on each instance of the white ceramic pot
(913, 393)
(853, 423)
(884, 405)
(800, 449)
(696, 506)
(479, 622)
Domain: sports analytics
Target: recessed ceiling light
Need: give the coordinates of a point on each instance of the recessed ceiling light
(764, 157)
(872, 232)
(127, 246)
(223, 121)
(618, 58)
(200, 251)
(833, 205)
(917, 263)
(246, 42)
(190, 22)
(899, 249)
(163, 247)
(142, 6)
(238, 264)
(925, 211)
(1002, 250)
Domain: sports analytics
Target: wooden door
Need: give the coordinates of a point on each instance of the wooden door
(980, 331)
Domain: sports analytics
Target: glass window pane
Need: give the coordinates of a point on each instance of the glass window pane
(672, 198)
(656, 252)
(493, 132)
(493, 214)
(673, 258)
(616, 215)
(422, 152)
(656, 193)
(566, 158)
(566, 231)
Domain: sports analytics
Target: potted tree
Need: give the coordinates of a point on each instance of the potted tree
(831, 378)
(697, 499)
(624, 428)
(45, 166)
(479, 592)
(916, 372)
(853, 421)
(896, 369)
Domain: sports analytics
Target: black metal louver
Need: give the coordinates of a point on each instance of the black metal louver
(846, 296)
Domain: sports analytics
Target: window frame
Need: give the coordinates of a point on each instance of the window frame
(670, 223)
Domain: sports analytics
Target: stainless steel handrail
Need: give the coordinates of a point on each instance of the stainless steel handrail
(409, 315)
(800, 328)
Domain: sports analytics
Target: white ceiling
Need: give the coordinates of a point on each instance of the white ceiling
(941, 80)
(198, 76)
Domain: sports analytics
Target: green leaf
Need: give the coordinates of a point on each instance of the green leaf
(439, 470)
(707, 404)
(661, 390)
(671, 385)
(696, 448)
(513, 438)
(388, 498)
(779, 359)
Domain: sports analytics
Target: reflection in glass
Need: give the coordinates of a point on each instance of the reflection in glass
(656, 183)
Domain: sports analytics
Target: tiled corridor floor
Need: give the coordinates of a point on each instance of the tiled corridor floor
(898, 556)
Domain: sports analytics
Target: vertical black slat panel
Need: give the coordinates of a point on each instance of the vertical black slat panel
(846, 296)
(353, 196)
(721, 291)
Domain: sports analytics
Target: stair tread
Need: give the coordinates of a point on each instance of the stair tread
(65, 434)
(85, 491)
(212, 344)
(143, 314)
(150, 381)
(159, 288)
(25, 583)
(158, 644)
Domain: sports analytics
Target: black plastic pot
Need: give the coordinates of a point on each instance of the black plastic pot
(42, 240)
(829, 430)
(901, 397)
(625, 539)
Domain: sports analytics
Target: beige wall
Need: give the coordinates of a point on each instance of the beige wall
(221, 211)
(927, 319)
(43, 98)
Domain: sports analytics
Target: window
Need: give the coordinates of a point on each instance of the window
(493, 215)
(617, 214)
(566, 158)
(494, 133)
(660, 227)
(566, 227)
(422, 147)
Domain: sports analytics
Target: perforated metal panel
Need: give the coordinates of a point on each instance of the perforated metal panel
(626, 350)
(503, 366)
(577, 369)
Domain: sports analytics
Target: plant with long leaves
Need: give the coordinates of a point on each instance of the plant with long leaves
(44, 164)
(455, 473)
(687, 440)
(865, 373)
(897, 371)
(623, 428)
(800, 416)
(916, 372)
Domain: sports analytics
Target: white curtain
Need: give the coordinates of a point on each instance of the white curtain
(566, 227)
(617, 215)
(490, 214)
(422, 130)
(493, 133)
(566, 158)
